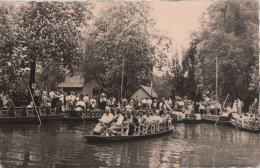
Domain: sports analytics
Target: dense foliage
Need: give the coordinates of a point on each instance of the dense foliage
(124, 40)
(48, 33)
(229, 33)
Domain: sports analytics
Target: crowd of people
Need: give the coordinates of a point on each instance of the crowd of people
(63, 101)
(111, 122)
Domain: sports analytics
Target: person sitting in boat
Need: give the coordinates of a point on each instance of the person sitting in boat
(128, 107)
(124, 102)
(228, 108)
(80, 105)
(164, 117)
(218, 107)
(118, 125)
(104, 122)
(135, 123)
(190, 108)
(201, 108)
(157, 117)
(131, 102)
(30, 105)
(212, 108)
(149, 118)
(128, 115)
(141, 118)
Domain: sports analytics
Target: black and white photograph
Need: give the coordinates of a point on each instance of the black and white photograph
(131, 84)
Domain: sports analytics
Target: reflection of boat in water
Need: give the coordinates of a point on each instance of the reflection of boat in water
(191, 118)
(247, 122)
(99, 138)
(223, 119)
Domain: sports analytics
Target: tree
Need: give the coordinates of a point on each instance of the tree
(189, 65)
(229, 34)
(124, 47)
(51, 32)
(178, 76)
(50, 76)
(9, 60)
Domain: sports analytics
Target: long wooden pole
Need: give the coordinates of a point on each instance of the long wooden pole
(217, 78)
(225, 102)
(35, 105)
(222, 108)
(122, 82)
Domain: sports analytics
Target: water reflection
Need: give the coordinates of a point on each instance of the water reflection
(62, 145)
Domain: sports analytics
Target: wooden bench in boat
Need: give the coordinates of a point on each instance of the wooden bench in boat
(30, 112)
(43, 111)
(53, 112)
(5, 112)
(19, 112)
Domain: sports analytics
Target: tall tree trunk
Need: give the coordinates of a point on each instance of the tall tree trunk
(32, 79)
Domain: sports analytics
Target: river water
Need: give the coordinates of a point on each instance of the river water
(61, 145)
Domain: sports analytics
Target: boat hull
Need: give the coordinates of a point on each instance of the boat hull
(257, 130)
(98, 138)
(77, 119)
(31, 119)
(215, 119)
(188, 121)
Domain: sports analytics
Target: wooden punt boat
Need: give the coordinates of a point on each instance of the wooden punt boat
(99, 138)
(246, 122)
(255, 129)
(191, 118)
(80, 116)
(216, 119)
(28, 115)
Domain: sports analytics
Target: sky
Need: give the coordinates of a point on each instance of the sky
(176, 18)
(179, 19)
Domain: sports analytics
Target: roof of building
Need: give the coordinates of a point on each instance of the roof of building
(149, 91)
(76, 81)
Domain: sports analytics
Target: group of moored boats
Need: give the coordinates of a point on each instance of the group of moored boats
(25, 115)
(245, 121)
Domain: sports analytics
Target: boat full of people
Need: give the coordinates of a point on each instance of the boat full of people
(246, 121)
(129, 124)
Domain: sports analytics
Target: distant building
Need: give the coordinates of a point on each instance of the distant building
(77, 84)
(144, 92)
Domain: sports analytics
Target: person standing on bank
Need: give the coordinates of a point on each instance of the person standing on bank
(37, 96)
(239, 106)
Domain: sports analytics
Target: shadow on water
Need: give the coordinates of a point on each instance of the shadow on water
(62, 145)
